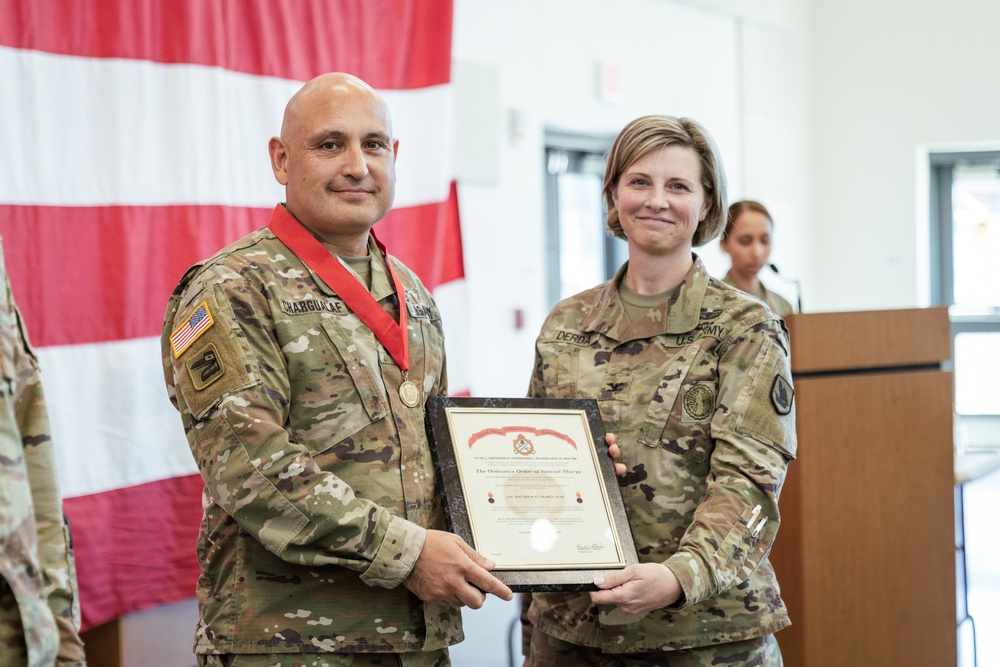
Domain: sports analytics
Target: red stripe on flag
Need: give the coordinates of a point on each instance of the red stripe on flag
(289, 39)
(135, 546)
(109, 271)
(427, 239)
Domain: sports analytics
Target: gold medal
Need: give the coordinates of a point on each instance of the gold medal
(409, 394)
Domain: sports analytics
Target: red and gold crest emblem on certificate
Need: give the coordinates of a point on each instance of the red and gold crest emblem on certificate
(523, 446)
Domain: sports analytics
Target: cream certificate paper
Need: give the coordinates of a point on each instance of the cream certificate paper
(533, 488)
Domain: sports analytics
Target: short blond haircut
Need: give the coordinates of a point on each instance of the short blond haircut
(649, 133)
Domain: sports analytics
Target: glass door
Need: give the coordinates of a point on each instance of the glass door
(975, 311)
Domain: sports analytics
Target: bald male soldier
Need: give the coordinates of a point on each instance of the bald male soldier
(300, 358)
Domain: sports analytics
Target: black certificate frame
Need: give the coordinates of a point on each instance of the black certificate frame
(536, 576)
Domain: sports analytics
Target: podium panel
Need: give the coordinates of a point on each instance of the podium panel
(865, 556)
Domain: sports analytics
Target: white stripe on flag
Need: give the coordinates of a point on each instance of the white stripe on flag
(90, 131)
(112, 423)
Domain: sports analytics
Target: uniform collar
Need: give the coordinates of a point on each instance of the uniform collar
(381, 281)
(676, 316)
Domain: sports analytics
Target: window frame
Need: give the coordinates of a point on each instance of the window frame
(942, 166)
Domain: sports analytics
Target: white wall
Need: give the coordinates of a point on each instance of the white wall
(887, 79)
(823, 111)
(735, 74)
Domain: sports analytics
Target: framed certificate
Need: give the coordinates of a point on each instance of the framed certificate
(529, 484)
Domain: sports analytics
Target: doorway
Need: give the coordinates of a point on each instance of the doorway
(580, 252)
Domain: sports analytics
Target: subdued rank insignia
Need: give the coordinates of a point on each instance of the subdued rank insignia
(782, 395)
(205, 367)
(699, 402)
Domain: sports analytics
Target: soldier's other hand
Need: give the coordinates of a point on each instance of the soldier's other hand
(639, 588)
(450, 573)
(614, 451)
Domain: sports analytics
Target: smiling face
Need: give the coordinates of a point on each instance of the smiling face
(660, 201)
(748, 244)
(336, 158)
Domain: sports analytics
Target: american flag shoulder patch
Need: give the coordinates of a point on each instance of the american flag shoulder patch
(194, 326)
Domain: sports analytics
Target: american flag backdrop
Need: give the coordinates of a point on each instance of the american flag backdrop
(133, 137)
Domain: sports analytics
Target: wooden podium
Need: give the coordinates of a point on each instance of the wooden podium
(865, 555)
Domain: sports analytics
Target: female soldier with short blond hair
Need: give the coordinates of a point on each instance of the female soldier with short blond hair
(692, 376)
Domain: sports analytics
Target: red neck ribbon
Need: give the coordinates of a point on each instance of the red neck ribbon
(300, 241)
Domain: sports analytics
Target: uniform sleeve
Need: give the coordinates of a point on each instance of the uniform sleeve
(55, 554)
(535, 390)
(526, 626)
(232, 389)
(754, 435)
(536, 387)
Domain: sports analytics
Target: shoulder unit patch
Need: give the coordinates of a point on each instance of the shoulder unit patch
(782, 395)
(205, 367)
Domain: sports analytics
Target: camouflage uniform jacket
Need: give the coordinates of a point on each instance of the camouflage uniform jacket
(38, 600)
(698, 394)
(774, 301)
(319, 483)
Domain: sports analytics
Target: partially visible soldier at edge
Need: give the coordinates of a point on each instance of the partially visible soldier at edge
(300, 358)
(39, 607)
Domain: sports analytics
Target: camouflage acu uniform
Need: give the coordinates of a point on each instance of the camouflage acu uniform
(319, 484)
(774, 301)
(39, 610)
(698, 394)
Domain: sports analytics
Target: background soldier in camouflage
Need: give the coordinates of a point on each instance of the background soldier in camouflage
(746, 238)
(692, 377)
(322, 541)
(39, 609)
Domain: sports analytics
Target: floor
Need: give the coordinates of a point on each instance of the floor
(982, 537)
